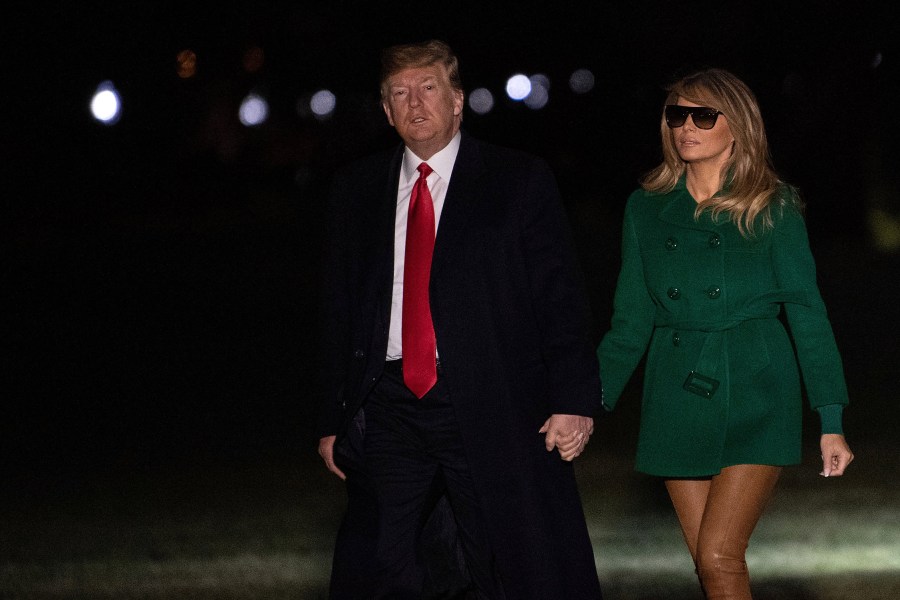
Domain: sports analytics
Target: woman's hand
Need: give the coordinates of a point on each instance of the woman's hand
(568, 433)
(836, 454)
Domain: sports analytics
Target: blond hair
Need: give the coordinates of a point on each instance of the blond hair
(751, 183)
(422, 54)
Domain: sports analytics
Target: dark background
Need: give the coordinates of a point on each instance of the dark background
(159, 276)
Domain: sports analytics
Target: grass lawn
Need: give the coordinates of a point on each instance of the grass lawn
(266, 531)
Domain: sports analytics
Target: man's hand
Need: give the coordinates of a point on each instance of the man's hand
(569, 433)
(836, 454)
(326, 451)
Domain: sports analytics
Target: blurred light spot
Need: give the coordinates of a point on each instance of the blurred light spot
(254, 57)
(885, 229)
(581, 81)
(254, 110)
(481, 101)
(518, 87)
(106, 106)
(540, 92)
(322, 103)
(186, 64)
(541, 80)
(876, 60)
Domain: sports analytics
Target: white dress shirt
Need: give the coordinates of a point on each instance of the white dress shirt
(438, 182)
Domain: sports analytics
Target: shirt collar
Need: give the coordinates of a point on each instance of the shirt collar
(441, 163)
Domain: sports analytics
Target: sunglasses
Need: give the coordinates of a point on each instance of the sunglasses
(703, 117)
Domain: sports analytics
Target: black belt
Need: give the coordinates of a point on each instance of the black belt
(395, 367)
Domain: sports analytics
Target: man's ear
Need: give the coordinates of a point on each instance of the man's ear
(458, 98)
(387, 113)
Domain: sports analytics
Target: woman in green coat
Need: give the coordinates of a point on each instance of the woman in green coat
(715, 258)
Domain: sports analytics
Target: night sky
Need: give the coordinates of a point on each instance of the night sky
(160, 275)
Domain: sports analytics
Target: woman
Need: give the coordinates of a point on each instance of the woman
(714, 250)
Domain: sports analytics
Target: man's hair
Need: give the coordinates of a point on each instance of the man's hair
(422, 54)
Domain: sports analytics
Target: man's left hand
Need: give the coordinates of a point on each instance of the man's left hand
(568, 433)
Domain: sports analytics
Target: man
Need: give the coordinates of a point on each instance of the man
(460, 365)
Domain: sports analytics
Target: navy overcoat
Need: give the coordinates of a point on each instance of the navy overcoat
(512, 329)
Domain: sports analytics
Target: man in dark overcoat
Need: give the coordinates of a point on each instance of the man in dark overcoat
(491, 419)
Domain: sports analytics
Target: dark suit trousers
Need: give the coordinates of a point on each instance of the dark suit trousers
(413, 449)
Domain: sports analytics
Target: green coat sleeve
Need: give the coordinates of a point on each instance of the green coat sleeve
(817, 353)
(624, 344)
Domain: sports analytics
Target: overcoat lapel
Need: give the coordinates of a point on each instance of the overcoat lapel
(463, 196)
(383, 239)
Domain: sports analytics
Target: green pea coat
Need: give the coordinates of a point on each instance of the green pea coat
(721, 382)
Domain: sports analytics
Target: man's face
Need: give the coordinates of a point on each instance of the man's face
(424, 108)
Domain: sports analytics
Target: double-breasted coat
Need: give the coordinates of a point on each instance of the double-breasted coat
(511, 323)
(708, 306)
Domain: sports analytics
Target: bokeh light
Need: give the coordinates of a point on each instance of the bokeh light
(186, 64)
(254, 110)
(539, 95)
(323, 103)
(481, 101)
(106, 106)
(581, 81)
(518, 87)
(884, 229)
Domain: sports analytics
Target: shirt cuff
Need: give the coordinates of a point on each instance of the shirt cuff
(831, 416)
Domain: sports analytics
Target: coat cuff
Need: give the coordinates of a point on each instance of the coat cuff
(606, 407)
(832, 417)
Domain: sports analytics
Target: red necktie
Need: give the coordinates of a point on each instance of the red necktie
(419, 371)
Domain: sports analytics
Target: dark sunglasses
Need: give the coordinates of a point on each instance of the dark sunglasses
(703, 117)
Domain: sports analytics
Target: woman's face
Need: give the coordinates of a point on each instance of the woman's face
(702, 146)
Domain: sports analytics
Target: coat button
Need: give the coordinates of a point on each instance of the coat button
(358, 354)
(671, 243)
(676, 339)
(714, 240)
(674, 293)
(713, 292)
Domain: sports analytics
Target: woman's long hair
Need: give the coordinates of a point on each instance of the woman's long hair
(750, 181)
